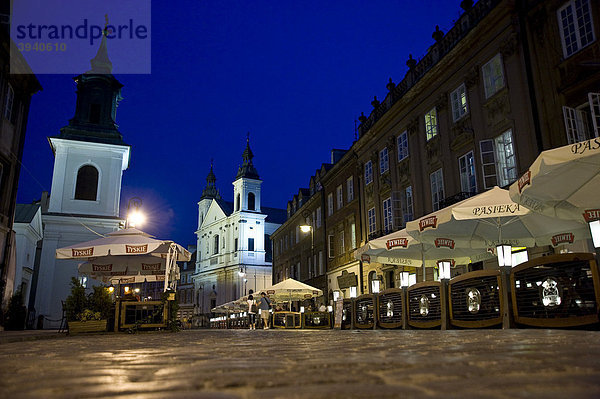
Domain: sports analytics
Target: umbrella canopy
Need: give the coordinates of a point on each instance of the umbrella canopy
(490, 218)
(290, 290)
(123, 242)
(112, 268)
(400, 248)
(563, 182)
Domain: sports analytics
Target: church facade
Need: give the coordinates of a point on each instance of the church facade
(90, 157)
(234, 252)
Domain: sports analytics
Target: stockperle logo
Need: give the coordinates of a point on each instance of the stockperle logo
(63, 36)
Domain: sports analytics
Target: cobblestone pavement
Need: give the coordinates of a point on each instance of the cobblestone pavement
(306, 364)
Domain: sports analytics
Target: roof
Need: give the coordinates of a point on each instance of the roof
(24, 213)
(226, 206)
(274, 215)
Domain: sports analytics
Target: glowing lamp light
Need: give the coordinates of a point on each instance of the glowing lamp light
(404, 279)
(353, 292)
(504, 255)
(137, 290)
(126, 289)
(111, 289)
(444, 268)
(595, 231)
(136, 218)
(305, 228)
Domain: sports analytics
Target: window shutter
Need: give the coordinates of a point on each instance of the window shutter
(488, 163)
(595, 110)
(570, 117)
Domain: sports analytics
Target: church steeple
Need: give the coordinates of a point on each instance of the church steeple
(210, 191)
(98, 95)
(247, 170)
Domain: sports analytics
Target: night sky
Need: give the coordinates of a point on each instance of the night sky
(295, 74)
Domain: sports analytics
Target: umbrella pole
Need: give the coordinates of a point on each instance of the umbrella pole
(423, 260)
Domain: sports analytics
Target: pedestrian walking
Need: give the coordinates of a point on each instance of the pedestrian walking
(252, 309)
(264, 306)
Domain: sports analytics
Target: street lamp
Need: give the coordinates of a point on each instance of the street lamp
(444, 268)
(504, 255)
(134, 216)
(305, 228)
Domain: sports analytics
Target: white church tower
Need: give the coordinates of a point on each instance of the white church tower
(90, 157)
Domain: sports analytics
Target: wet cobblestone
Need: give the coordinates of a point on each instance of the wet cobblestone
(246, 364)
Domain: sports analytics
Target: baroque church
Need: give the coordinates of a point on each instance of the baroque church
(234, 252)
(90, 157)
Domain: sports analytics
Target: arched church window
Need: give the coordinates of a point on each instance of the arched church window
(237, 203)
(86, 187)
(251, 202)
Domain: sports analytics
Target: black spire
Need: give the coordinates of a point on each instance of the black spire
(98, 95)
(247, 170)
(211, 190)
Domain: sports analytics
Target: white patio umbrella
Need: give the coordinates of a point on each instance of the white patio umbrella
(290, 290)
(492, 218)
(127, 269)
(563, 182)
(400, 248)
(128, 243)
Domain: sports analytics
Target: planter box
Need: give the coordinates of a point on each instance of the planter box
(76, 327)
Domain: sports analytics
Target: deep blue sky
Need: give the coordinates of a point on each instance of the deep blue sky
(295, 74)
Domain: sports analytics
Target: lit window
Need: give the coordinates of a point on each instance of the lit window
(388, 221)
(576, 26)
(437, 188)
(498, 160)
(431, 126)
(342, 245)
(384, 163)
(458, 98)
(340, 196)
(583, 122)
(350, 189)
(402, 146)
(493, 77)
(371, 220)
(368, 172)
(468, 180)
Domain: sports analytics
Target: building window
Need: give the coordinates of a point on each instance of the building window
(297, 234)
(384, 162)
(235, 245)
(353, 235)
(252, 202)
(318, 217)
(468, 180)
(321, 268)
(342, 245)
(10, 98)
(407, 205)
(371, 220)
(216, 246)
(402, 146)
(86, 187)
(498, 160)
(368, 172)
(340, 197)
(493, 77)
(250, 244)
(329, 204)
(458, 99)
(437, 188)
(330, 245)
(583, 122)
(431, 125)
(575, 25)
(350, 189)
(237, 204)
(388, 220)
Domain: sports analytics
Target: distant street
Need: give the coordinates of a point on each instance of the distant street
(306, 364)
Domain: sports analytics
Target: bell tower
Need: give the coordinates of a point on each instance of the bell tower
(90, 155)
(246, 186)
